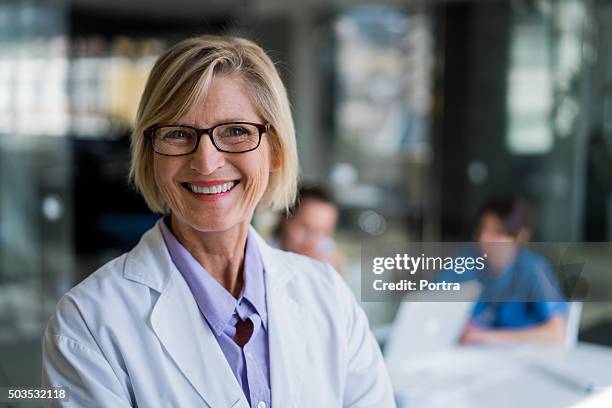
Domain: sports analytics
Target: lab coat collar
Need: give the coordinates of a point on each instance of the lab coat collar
(138, 267)
(202, 361)
(149, 262)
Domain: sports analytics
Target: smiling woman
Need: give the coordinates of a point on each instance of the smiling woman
(202, 312)
(180, 178)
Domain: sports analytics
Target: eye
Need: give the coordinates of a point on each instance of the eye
(234, 131)
(176, 134)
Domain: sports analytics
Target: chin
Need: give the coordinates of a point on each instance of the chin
(211, 222)
(211, 217)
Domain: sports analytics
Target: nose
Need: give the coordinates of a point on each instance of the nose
(206, 159)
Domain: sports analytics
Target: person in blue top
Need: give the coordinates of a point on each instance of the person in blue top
(521, 299)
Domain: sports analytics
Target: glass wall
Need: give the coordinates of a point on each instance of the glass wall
(67, 104)
(382, 145)
(548, 104)
(36, 256)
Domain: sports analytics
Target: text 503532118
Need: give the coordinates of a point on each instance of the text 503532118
(11, 394)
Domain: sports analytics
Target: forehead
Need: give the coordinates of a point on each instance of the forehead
(317, 211)
(226, 100)
(491, 220)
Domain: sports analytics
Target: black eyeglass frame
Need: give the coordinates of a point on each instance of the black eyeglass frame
(150, 132)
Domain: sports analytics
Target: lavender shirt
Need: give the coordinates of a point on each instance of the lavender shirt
(250, 364)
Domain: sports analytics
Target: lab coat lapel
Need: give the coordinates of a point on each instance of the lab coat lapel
(180, 327)
(287, 337)
(191, 344)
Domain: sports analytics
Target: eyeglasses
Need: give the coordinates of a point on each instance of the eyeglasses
(236, 137)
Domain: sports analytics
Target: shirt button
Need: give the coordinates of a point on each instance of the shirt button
(261, 404)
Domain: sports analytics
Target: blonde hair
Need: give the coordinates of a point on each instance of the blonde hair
(180, 79)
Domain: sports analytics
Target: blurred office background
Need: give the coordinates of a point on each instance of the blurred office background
(413, 111)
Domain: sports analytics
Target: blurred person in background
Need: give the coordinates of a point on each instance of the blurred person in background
(514, 272)
(202, 312)
(308, 228)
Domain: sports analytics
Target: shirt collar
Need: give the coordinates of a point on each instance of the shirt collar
(254, 289)
(216, 304)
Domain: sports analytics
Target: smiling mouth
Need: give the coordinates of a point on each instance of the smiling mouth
(218, 189)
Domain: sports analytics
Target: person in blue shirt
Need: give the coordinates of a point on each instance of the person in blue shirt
(521, 299)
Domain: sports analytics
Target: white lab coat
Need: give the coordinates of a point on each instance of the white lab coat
(131, 334)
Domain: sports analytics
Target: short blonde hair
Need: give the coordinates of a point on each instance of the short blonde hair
(180, 79)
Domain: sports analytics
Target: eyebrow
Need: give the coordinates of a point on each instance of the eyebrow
(224, 121)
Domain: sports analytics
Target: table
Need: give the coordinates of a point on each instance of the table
(506, 376)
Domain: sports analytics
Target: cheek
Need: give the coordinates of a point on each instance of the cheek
(159, 172)
(163, 171)
(256, 179)
(255, 187)
(294, 231)
(294, 238)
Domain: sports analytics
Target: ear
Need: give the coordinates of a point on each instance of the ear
(524, 235)
(275, 163)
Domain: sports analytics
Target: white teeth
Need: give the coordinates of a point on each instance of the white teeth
(222, 188)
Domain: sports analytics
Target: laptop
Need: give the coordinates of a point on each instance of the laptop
(425, 323)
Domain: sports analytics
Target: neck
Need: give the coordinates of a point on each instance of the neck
(221, 253)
